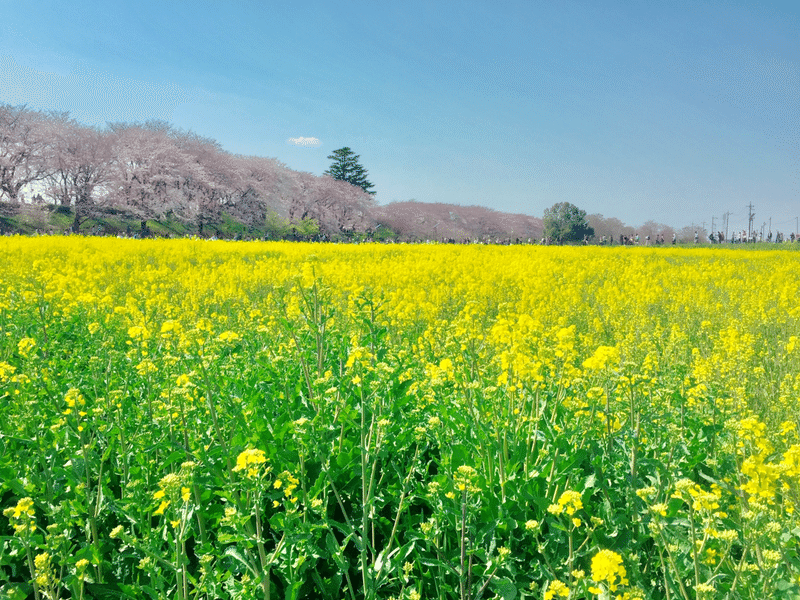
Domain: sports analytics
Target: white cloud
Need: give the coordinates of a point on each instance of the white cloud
(305, 142)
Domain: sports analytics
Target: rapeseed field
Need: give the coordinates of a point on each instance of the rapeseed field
(202, 420)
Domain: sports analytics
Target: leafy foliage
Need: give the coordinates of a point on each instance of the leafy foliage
(193, 419)
(565, 222)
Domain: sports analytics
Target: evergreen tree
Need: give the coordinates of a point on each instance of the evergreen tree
(346, 167)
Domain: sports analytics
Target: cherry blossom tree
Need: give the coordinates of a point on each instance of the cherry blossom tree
(337, 206)
(209, 180)
(80, 167)
(148, 171)
(25, 141)
(412, 220)
(260, 182)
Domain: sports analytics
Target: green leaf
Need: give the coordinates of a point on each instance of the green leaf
(505, 587)
(16, 591)
(234, 552)
(103, 591)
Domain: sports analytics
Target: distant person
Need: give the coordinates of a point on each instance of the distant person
(674, 239)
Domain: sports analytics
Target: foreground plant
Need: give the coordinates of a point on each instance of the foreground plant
(198, 420)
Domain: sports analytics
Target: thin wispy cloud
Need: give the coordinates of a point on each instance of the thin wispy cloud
(91, 96)
(304, 142)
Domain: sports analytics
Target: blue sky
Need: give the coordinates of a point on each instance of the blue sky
(676, 111)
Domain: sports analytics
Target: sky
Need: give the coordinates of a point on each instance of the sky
(677, 111)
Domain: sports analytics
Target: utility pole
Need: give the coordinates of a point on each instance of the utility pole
(726, 218)
(751, 216)
(713, 227)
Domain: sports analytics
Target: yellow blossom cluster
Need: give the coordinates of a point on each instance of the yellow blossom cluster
(465, 479)
(22, 516)
(607, 572)
(174, 488)
(535, 365)
(250, 461)
(569, 502)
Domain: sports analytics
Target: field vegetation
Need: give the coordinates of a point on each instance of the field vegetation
(202, 420)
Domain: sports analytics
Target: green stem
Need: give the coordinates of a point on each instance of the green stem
(678, 576)
(463, 543)
(694, 546)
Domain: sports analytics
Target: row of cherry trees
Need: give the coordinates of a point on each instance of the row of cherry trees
(153, 171)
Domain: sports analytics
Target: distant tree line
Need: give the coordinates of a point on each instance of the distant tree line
(612, 228)
(566, 223)
(420, 221)
(154, 171)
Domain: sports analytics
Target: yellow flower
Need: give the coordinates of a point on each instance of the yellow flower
(569, 502)
(45, 575)
(660, 509)
(288, 482)
(26, 346)
(117, 532)
(531, 525)
(556, 589)
(228, 336)
(42, 561)
(137, 332)
(23, 507)
(251, 461)
(607, 568)
(465, 478)
(169, 327)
